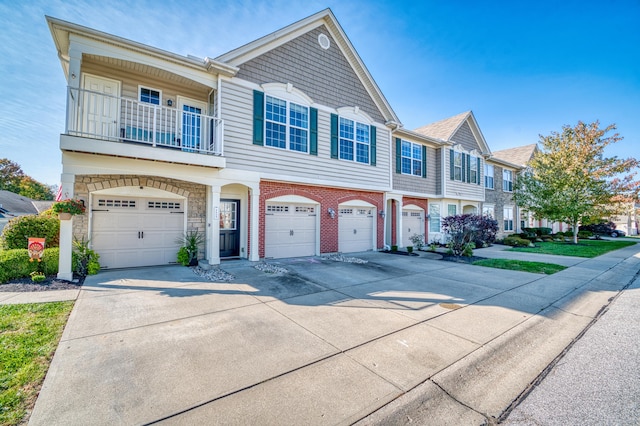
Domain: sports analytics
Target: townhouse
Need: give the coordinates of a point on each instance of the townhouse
(283, 147)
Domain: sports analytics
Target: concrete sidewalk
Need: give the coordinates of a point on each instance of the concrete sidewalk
(328, 342)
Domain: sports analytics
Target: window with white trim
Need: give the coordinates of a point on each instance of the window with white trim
(488, 176)
(507, 180)
(473, 170)
(508, 218)
(434, 217)
(488, 210)
(451, 209)
(286, 125)
(457, 165)
(411, 158)
(149, 96)
(354, 141)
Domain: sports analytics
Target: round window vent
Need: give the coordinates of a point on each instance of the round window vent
(324, 41)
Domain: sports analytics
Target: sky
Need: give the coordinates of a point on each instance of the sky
(525, 69)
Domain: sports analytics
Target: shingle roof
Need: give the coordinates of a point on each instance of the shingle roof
(16, 205)
(443, 129)
(519, 155)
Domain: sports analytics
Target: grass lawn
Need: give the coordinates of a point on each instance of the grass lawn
(29, 335)
(521, 265)
(584, 248)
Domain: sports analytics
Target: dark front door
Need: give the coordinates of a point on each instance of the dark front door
(229, 228)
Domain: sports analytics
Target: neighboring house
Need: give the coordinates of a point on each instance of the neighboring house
(499, 178)
(14, 205)
(627, 220)
(459, 166)
(279, 148)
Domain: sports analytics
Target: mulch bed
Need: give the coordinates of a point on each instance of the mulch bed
(51, 283)
(460, 259)
(401, 253)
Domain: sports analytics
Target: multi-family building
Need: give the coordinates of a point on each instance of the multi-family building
(283, 147)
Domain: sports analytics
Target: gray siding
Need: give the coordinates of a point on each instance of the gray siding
(465, 137)
(463, 190)
(324, 75)
(416, 183)
(242, 154)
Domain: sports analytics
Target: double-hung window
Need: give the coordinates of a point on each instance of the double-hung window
(507, 180)
(473, 170)
(411, 158)
(434, 217)
(508, 218)
(488, 210)
(286, 125)
(150, 96)
(451, 209)
(354, 141)
(457, 165)
(488, 176)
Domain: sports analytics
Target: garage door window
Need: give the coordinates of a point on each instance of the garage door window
(300, 209)
(164, 205)
(117, 203)
(277, 209)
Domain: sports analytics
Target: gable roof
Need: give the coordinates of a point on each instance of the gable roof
(447, 128)
(12, 204)
(258, 47)
(519, 155)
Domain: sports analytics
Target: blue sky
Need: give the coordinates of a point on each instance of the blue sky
(524, 68)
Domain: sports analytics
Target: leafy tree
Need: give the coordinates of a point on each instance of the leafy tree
(469, 228)
(13, 179)
(571, 180)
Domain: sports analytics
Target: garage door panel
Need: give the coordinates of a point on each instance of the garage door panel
(129, 232)
(355, 229)
(290, 230)
(412, 223)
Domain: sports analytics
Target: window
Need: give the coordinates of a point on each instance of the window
(508, 218)
(473, 170)
(354, 141)
(286, 125)
(411, 158)
(457, 165)
(488, 176)
(507, 180)
(434, 218)
(488, 210)
(451, 209)
(150, 96)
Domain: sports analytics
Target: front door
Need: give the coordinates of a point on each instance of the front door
(100, 107)
(229, 228)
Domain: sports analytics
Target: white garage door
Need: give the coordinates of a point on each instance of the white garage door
(412, 223)
(355, 229)
(290, 230)
(130, 231)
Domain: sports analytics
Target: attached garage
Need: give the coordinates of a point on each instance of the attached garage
(412, 223)
(133, 231)
(356, 227)
(290, 229)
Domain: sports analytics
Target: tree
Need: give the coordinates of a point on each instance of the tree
(571, 180)
(13, 179)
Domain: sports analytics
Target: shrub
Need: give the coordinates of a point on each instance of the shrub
(417, 240)
(84, 260)
(584, 234)
(410, 249)
(183, 256)
(394, 248)
(468, 250)
(469, 228)
(540, 231)
(16, 263)
(516, 241)
(17, 231)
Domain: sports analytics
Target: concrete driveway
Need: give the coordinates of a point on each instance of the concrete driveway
(325, 343)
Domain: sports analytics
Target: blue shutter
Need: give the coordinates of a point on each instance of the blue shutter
(424, 161)
(334, 136)
(398, 155)
(372, 141)
(258, 117)
(313, 131)
(464, 168)
(478, 175)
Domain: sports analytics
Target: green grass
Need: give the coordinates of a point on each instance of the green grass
(521, 265)
(584, 248)
(29, 335)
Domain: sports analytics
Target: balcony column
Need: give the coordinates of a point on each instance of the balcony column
(65, 271)
(73, 81)
(213, 255)
(254, 247)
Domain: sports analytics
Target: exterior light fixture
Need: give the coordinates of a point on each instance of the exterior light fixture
(331, 212)
(381, 214)
(169, 102)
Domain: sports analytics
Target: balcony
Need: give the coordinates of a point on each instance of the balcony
(95, 120)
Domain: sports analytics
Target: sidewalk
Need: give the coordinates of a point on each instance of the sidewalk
(16, 298)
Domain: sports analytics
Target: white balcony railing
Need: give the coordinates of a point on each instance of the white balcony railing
(100, 116)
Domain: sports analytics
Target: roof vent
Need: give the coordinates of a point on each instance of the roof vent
(324, 41)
